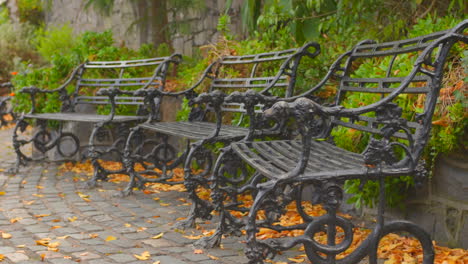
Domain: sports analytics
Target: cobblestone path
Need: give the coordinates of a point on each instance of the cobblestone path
(39, 202)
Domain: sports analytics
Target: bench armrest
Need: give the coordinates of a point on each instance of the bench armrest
(251, 99)
(213, 100)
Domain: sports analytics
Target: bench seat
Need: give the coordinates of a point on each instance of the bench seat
(195, 130)
(83, 117)
(276, 158)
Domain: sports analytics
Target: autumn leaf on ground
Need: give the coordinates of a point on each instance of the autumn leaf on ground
(55, 227)
(194, 237)
(43, 242)
(2, 257)
(63, 237)
(85, 197)
(198, 251)
(93, 235)
(2, 192)
(141, 229)
(72, 219)
(110, 238)
(144, 256)
(39, 187)
(16, 219)
(212, 257)
(6, 235)
(38, 195)
(157, 262)
(41, 215)
(28, 202)
(158, 236)
(296, 260)
(127, 225)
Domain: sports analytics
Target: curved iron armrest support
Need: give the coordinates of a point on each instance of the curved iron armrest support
(64, 96)
(213, 101)
(154, 96)
(112, 93)
(296, 57)
(250, 99)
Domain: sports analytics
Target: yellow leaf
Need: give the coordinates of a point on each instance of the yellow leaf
(212, 257)
(93, 235)
(164, 204)
(157, 262)
(6, 235)
(295, 260)
(37, 195)
(28, 202)
(110, 238)
(127, 225)
(156, 198)
(72, 219)
(2, 192)
(55, 227)
(63, 237)
(39, 187)
(16, 219)
(141, 229)
(53, 245)
(43, 242)
(2, 257)
(158, 236)
(41, 215)
(198, 251)
(21, 246)
(43, 257)
(144, 256)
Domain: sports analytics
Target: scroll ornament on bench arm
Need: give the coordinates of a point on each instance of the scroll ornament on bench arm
(213, 100)
(152, 98)
(250, 99)
(379, 151)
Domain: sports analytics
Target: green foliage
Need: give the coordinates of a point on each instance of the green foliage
(31, 11)
(15, 46)
(64, 56)
(55, 41)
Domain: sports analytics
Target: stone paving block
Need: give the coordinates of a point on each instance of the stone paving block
(50, 254)
(92, 242)
(169, 260)
(107, 249)
(71, 249)
(122, 258)
(16, 257)
(195, 257)
(85, 255)
(5, 250)
(123, 243)
(159, 243)
(100, 261)
(62, 261)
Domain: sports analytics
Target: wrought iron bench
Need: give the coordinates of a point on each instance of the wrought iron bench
(283, 168)
(121, 79)
(202, 129)
(5, 107)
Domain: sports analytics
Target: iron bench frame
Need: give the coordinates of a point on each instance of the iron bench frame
(4, 108)
(285, 167)
(43, 140)
(204, 132)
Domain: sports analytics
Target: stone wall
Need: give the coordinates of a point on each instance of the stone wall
(199, 24)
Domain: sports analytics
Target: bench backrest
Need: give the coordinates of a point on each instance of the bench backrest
(126, 75)
(267, 73)
(373, 73)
